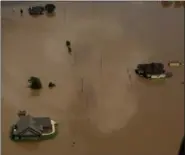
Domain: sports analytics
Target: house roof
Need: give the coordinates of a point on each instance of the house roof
(34, 123)
(44, 121)
(152, 68)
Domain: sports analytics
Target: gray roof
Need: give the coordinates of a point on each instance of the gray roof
(34, 123)
(44, 121)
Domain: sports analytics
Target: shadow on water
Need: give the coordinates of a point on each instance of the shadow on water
(50, 15)
(35, 93)
(35, 16)
(29, 146)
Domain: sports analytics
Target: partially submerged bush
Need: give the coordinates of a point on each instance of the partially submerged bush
(68, 43)
(34, 83)
(51, 85)
(50, 8)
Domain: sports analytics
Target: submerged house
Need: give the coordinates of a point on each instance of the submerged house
(29, 127)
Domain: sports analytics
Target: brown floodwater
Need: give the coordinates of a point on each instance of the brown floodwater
(100, 110)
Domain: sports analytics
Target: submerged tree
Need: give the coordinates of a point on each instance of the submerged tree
(51, 85)
(34, 83)
(50, 8)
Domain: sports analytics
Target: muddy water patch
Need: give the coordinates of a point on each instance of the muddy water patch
(115, 109)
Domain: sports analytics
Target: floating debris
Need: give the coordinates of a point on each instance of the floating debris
(175, 64)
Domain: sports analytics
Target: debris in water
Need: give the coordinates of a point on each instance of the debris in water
(175, 64)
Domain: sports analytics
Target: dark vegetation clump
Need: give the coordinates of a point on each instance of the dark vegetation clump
(34, 83)
(68, 45)
(51, 85)
(50, 8)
